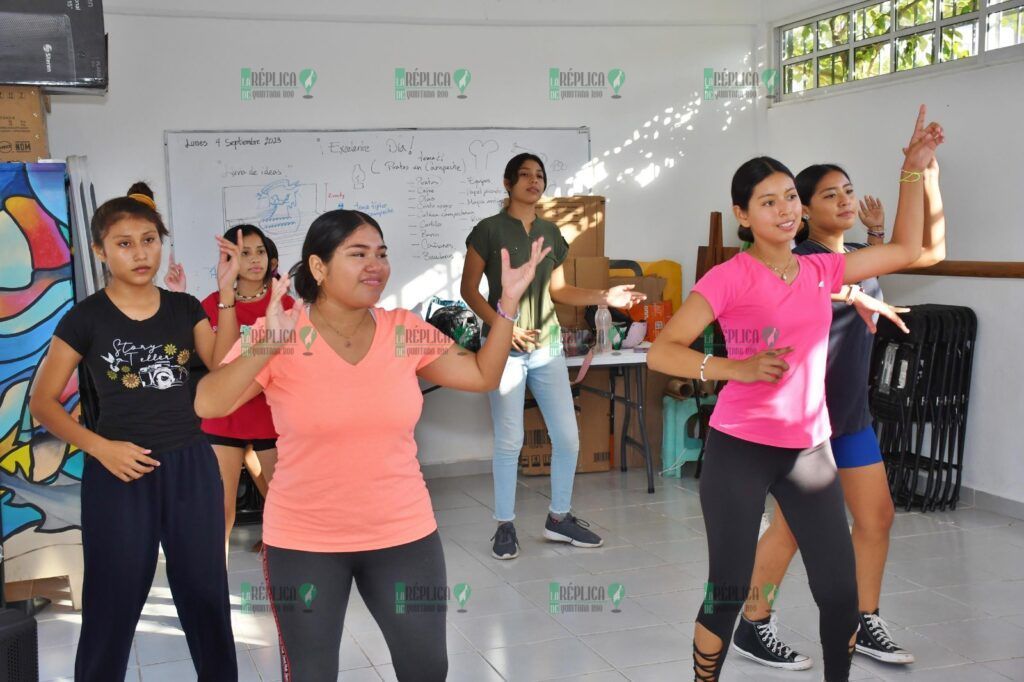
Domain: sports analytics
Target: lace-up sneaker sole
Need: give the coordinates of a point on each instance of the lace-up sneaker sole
(558, 537)
(798, 664)
(899, 657)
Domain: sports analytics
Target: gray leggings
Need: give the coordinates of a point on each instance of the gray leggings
(737, 476)
(309, 622)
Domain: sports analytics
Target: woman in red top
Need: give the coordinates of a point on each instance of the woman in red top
(247, 434)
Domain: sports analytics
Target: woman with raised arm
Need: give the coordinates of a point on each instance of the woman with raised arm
(770, 426)
(348, 501)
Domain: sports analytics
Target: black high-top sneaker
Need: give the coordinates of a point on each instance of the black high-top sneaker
(874, 640)
(758, 640)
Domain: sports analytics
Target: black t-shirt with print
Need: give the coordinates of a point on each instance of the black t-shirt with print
(140, 368)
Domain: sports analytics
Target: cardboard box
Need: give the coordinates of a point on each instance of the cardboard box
(57, 44)
(581, 220)
(593, 418)
(652, 285)
(586, 272)
(656, 314)
(22, 124)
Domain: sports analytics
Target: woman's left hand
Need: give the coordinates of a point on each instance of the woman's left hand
(175, 277)
(515, 280)
(867, 307)
(623, 296)
(872, 213)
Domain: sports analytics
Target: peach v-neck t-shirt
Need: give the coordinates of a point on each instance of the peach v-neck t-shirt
(347, 478)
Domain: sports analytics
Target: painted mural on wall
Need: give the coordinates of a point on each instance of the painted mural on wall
(40, 476)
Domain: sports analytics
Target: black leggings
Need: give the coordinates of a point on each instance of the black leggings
(737, 476)
(309, 623)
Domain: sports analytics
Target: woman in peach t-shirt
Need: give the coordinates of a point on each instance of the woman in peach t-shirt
(348, 501)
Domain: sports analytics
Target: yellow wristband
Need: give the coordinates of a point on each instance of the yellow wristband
(911, 176)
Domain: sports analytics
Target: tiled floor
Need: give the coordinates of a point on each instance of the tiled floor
(953, 594)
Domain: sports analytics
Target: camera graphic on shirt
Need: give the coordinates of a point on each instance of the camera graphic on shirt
(162, 375)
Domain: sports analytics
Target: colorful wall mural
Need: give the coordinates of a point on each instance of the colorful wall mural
(40, 476)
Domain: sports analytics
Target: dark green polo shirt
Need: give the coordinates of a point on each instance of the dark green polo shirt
(536, 310)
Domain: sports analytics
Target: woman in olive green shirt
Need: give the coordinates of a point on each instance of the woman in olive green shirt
(536, 360)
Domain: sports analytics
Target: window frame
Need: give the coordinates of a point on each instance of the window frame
(983, 57)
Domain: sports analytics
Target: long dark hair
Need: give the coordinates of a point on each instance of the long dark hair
(807, 182)
(325, 235)
(139, 206)
(746, 178)
(516, 162)
(268, 244)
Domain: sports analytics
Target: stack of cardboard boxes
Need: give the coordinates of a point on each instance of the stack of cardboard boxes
(581, 221)
(22, 124)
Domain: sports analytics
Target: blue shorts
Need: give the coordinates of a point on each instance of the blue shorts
(858, 449)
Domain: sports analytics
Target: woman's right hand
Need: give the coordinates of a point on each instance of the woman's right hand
(229, 264)
(127, 461)
(767, 365)
(524, 339)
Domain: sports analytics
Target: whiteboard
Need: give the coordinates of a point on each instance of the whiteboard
(426, 187)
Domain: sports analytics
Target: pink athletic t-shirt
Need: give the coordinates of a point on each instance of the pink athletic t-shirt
(347, 478)
(757, 312)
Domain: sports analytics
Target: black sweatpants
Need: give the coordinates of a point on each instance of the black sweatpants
(737, 476)
(309, 594)
(179, 505)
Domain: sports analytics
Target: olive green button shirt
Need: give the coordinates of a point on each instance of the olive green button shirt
(490, 236)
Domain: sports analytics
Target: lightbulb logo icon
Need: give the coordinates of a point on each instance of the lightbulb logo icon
(462, 78)
(307, 592)
(308, 79)
(770, 78)
(616, 591)
(616, 77)
(308, 336)
(462, 592)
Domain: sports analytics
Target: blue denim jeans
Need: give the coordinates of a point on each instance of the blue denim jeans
(547, 377)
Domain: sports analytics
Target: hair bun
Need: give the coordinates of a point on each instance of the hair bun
(141, 188)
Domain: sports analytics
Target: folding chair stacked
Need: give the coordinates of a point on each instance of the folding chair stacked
(920, 391)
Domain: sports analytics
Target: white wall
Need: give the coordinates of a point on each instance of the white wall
(170, 72)
(982, 178)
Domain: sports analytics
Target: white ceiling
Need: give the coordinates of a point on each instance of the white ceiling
(472, 12)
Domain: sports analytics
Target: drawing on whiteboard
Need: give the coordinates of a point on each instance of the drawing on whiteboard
(358, 177)
(519, 149)
(481, 151)
(558, 165)
(276, 207)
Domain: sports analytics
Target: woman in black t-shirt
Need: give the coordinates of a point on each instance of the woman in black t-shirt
(151, 477)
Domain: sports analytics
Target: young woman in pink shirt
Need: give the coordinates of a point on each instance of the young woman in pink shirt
(770, 428)
(348, 501)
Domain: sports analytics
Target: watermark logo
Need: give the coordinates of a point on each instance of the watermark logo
(263, 84)
(416, 598)
(430, 84)
(424, 340)
(720, 595)
(308, 79)
(462, 78)
(726, 84)
(573, 598)
(256, 341)
(616, 77)
(279, 598)
(308, 335)
(743, 342)
(575, 84)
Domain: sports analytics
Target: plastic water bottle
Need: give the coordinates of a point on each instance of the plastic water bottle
(603, 324)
